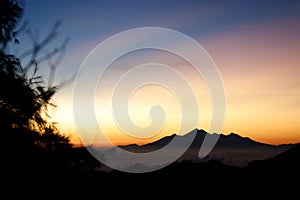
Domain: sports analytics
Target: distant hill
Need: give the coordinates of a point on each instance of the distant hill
(285, 164)
(230, 149)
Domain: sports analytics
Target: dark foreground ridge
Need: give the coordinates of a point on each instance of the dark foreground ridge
(77, 165)
(75, 172)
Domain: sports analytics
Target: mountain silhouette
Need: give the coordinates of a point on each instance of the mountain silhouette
(231, 149)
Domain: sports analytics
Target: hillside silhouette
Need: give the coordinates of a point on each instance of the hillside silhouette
(286, 164)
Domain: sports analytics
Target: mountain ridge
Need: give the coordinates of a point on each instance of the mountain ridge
(231, 149)
(231, 134)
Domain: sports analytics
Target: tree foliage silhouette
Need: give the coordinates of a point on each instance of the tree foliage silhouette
(33, 147)
(25, 96)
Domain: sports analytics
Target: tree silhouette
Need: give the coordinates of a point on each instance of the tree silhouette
(32, 146)
(25, 96)
(28, 138)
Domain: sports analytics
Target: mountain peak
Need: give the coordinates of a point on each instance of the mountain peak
(234, 134)
(197, 131)
(201, 131)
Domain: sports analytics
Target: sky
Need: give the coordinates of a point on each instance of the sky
(255, 46)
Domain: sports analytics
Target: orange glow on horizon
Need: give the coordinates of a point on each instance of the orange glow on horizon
(260, 71)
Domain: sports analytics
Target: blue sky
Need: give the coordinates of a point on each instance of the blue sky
(88, 22)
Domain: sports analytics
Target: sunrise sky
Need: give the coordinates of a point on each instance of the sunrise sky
(254, 44)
